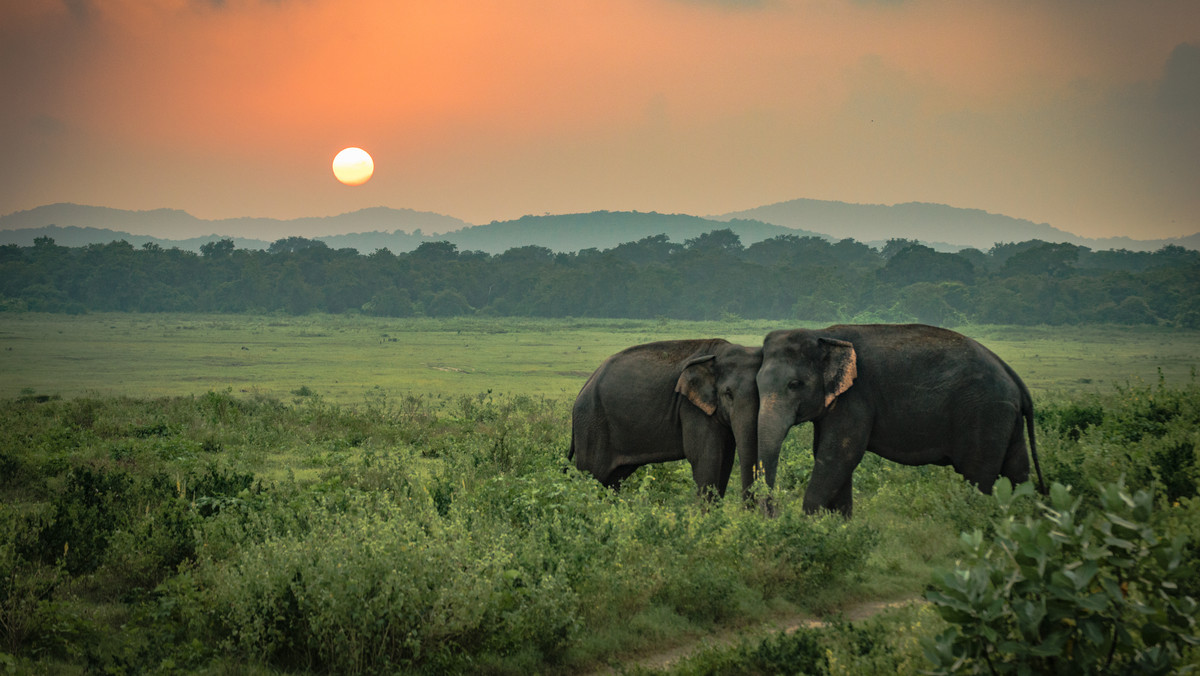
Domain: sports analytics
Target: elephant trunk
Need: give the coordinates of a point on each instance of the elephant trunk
(773, 425)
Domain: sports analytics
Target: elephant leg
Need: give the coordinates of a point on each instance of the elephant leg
(711, 473)
(727, 457)
(987, 445)
(843, 502)
(838, 447)
(617, 475)
(709, 449)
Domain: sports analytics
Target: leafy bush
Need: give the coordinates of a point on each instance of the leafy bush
(217, 488)
(92, 505)
(887, 642)
(1073, 418)
(153, 547)
(1148, 434)
(800, 652)
(28, 612)
(801, 554)
(372, 589)
(1074, 590)
(1183, 518)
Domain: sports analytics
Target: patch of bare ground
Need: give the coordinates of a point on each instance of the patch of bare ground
(663, 659)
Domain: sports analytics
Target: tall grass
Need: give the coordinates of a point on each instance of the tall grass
(432, 535)
(396, 535)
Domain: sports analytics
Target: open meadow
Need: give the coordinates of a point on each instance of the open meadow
(346, 359)
(344, 494)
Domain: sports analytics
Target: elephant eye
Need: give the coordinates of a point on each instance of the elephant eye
(728, 393)
(795, 385)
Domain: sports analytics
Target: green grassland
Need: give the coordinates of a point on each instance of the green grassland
(347, 358)
(358, 495)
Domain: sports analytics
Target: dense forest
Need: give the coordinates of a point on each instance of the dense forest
(710, 276)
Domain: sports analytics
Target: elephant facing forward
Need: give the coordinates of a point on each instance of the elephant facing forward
(913, 394)
(671, 400)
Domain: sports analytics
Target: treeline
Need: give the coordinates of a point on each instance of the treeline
(711, 276)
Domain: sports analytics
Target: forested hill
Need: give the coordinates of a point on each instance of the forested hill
(603, 230)
(710, 276)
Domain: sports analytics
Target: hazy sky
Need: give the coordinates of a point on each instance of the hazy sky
(1081, 113)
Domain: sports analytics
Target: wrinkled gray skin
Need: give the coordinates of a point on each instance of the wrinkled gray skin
(914, 394)
(671, 400)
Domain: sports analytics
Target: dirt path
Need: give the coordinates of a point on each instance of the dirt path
(665, 658)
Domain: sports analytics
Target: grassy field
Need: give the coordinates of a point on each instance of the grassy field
(327, 494)
(348, 358)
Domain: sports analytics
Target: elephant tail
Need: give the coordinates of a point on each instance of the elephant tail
(570, 456)
(1027, 413)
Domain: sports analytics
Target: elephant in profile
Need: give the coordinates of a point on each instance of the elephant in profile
(670, 400)
(913, 394)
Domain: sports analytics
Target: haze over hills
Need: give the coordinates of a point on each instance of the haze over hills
(933, 224)
(173, 224)
(943, 227)
(384, 228)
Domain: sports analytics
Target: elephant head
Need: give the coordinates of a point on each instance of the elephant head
(801, 377)
(723, 386)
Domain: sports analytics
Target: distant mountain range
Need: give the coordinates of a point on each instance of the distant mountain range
(943, 227)
(604, 230)
(176, 225)
(940, 226)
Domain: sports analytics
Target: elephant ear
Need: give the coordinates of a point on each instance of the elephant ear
(698, 383)
(841, 368)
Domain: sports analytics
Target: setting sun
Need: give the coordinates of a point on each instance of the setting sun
(353, 166)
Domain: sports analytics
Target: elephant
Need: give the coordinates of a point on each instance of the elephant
(670, 400)
(911, 393)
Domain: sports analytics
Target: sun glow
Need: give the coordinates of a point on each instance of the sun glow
(353, 166)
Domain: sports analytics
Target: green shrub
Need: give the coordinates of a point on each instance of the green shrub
(152, 547)
(1073, 418)
(888, 642)
(370, 590)
(1147, 434)
(91, 506)
(1183, 518)
(801, 554)
(1073, 590)
(28, 612)
(13, 470)
(218, 488)
(799, 653)
(703, 590)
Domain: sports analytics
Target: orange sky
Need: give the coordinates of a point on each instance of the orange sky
(1082, 114)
